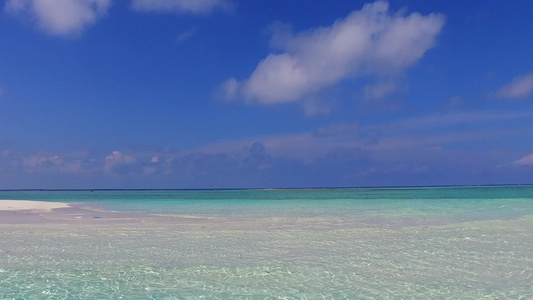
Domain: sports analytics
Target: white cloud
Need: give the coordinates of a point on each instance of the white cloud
(369, 42)
(227, 90)
(117, 158)
(520, 87)
(180, 6)
(36, 160)
(60, 17)
(51, 163)
(525, 161)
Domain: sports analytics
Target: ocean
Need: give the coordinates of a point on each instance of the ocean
(361, 243)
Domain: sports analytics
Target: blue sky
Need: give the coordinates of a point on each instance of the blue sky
(231, 93)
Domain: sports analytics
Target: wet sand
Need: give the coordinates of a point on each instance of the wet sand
(57, 214)
(61, 215)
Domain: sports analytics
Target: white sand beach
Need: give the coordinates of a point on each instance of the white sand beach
(30, 206)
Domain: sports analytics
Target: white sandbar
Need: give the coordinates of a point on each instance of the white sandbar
(30, 206)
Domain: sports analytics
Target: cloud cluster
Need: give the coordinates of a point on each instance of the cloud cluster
(69, 18)
(349, 154)
(60, 17)
(180, 6)
(520, 87)
(51, 163)
(370, 42)
(117, 159)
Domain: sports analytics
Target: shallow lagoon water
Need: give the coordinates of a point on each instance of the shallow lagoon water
(438, 243)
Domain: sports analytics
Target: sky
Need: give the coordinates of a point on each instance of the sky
(265, 94)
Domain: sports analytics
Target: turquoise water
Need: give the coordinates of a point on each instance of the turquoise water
(465, 202)
(393, 243)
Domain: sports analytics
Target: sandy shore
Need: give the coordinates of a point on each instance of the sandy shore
(30, 206)
(82, 215)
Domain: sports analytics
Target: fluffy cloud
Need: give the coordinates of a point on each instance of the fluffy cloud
(117, 159)
(60, 17)
(180, 6)
(520, 87)
(525, 161)
(369, 42)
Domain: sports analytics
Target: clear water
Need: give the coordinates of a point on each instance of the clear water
(416, 243)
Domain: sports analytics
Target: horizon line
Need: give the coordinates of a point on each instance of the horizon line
(264, 188)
